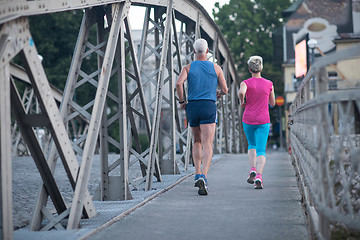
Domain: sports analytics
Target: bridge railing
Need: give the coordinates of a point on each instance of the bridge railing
(325, 145)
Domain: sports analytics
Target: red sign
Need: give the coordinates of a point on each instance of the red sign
(279, 101)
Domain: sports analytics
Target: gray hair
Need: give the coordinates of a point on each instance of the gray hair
(200, 46)
(255, 64)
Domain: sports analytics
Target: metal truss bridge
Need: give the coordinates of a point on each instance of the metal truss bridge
(131, 90)
(51, 125)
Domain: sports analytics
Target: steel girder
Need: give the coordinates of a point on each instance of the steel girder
(83, 128)
(5, 152)
(48, 117)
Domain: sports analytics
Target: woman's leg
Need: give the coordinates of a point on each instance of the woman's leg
(252, 157)
(250, 136)
(260, 163)
(262, 134)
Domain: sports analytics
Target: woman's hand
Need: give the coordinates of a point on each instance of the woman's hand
(242, 103)
(241, 94)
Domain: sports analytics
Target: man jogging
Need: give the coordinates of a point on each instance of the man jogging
(203, 78)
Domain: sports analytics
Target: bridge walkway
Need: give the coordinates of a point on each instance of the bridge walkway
(232, 210)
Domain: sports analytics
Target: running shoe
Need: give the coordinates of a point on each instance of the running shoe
(202, 184)
(251, 176)
(258, 181)
(196, 183)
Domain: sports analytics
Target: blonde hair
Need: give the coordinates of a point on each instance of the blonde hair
(200, 46)
(255, 64)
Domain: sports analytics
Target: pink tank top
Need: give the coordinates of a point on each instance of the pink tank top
(257, 101)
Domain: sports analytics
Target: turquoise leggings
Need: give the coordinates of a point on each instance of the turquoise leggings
(257, 136)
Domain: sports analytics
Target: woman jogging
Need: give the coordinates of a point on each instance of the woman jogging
(259, 93)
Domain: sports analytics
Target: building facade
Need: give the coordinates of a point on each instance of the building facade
(334, 25)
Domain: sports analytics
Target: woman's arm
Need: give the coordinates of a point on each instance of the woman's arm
(241, 93)
(272, 97)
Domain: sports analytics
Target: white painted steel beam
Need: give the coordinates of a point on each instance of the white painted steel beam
(166, 41)
(119, 12)
(6, 214)
(49, 107)
(191, 9)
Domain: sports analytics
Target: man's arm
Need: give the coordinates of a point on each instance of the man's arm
(179, 85)
(221, 80)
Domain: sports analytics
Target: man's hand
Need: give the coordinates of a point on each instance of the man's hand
(218, 94)
(183, 105)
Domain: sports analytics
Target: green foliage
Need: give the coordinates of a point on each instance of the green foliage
(339, 232)
(144, 141)
(247, 26)
(55, 37)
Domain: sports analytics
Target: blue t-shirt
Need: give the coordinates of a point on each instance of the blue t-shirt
(202, 81)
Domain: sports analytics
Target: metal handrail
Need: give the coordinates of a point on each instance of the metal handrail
(325, 148)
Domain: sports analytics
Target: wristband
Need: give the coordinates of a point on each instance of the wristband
(181, 102)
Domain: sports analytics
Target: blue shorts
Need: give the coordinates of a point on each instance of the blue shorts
(201, 112)
(257, 136)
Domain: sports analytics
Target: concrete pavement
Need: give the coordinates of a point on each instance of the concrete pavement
(232, 210)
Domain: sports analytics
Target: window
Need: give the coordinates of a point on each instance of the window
(333, 78)
(296, 82)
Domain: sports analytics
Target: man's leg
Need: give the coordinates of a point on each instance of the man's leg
(207, 137)
(196, 151)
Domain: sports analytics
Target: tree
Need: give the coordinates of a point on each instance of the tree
(55, 37)
(247, 26)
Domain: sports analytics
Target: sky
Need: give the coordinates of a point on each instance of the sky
(137, 13)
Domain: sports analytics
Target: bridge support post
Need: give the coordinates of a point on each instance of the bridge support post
(166, 41)
(70, 166)
(94, 125)
(6, 216)
(321, 88)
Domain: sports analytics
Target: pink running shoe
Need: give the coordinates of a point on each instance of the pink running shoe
(258, 181)
(251, 176)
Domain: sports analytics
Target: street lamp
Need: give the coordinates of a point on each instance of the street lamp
(312, 44)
